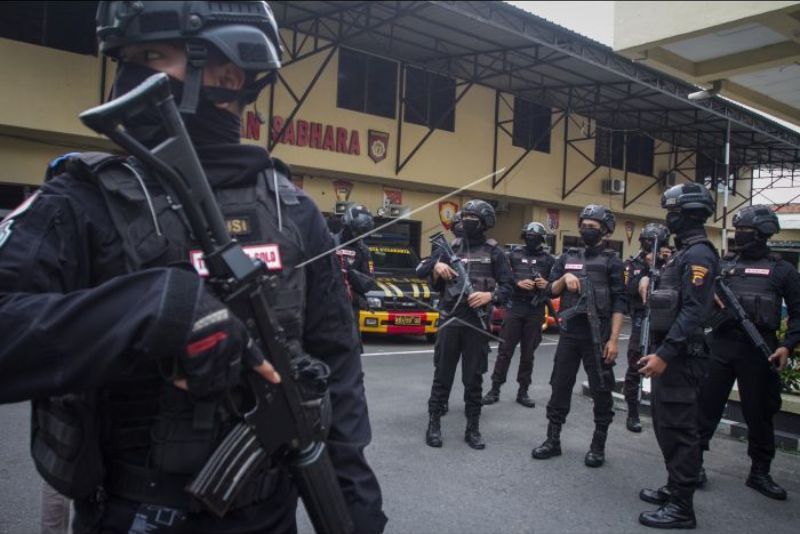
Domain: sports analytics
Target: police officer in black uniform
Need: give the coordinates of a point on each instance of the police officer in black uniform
(761, 281)
(636, 268)
(531, 266)
(462, 334)
(680, 307)
(354, 257)
(130, 359)
(605, 269)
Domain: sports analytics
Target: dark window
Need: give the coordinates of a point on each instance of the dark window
(430, 100)
(613, 148)
(609, 148)
(67, 26)
(639, 154)
(531, 126)
(367, 84)
(12, 195)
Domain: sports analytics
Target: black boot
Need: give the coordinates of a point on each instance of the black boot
(597, 450)
(493, 395)
(551, 446)
(433, 437)
(761, 481)
(633, 423)
(472, 435)
(677, 513)
(658, 496)
(523, 398)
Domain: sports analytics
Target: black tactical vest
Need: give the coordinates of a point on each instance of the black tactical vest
(751, 282)
(478, 263)
(596, 268)
(526, 266)
(144, 421)
(665, 302)
(635, 268)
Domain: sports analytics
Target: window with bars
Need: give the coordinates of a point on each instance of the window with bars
(531, 126)
(430, 100)
(66, 26)
(635, 150)
(367, 84)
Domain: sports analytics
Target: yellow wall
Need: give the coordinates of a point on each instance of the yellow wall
(38, 120)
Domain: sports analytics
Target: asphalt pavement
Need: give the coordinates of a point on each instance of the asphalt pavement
(500, 489)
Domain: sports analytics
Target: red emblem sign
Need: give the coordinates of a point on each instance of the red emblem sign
(553, 216)
(629, 227)
(342, 189)
(447, 210)
(378, 143)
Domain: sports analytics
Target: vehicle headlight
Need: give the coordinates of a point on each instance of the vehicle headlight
(374, 302)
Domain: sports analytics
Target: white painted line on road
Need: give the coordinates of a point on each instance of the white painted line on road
(428, 351)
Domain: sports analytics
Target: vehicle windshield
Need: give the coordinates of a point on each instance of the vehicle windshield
(397, 258)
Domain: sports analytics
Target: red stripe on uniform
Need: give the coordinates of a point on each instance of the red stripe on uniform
(207, 343)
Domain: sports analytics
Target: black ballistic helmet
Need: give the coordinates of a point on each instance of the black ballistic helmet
(762, 218)
(244, 32)
(685, 197)
(481, 209)
(357, 219)
(533, 229)
(601, 214)
(653, 231)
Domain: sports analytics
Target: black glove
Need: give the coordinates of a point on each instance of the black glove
(217, 347)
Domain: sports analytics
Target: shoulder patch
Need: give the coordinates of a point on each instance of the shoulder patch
(5, 231)
(699, 275)
(491, 242)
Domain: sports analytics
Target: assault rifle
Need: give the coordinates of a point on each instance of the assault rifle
(278, 424)
(540, 295)
(464, 287)
(587, 305)
(655, 274)
(731, 303)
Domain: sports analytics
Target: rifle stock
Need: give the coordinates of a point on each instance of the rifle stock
(277, 425)
(587, 305)
(655, 273)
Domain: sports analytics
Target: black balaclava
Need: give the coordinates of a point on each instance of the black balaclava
(647, 245)
(533, 243)
(591, 236)
(684, 225)
(751, 244)
(209, 125)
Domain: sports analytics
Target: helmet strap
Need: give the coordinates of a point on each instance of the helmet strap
(196, 57)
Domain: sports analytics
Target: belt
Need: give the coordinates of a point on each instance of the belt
(152, 486)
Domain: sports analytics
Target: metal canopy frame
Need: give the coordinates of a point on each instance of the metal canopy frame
(516, 53)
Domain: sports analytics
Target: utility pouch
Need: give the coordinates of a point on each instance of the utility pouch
(65, 444)
(664, 305)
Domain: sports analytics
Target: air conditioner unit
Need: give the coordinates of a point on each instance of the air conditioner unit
(341, 206)
(668, 179)
(614, 186)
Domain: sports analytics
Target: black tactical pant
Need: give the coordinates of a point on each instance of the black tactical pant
(517, 327)
(632, 377)
(570, 352)
(734, 358)
(675, 421)
(455, 342)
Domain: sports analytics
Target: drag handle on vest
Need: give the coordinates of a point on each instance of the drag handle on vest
(466, 289)
(732, 303)
(278, 423)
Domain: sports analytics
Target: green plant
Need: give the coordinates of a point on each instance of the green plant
(790, 376)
